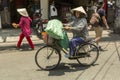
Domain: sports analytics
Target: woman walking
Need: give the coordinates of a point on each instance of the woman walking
(24, 24)
(99, 27)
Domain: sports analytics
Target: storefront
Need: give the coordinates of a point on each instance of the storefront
(4, 13)
(10, 15)
(64, 7)
(30, 5)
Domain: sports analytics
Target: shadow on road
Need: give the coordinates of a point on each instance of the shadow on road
(66, 67)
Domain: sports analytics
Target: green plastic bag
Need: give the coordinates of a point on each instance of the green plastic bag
(64, 43)
(54, 29)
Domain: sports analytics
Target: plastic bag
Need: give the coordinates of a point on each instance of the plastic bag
(54, 29)
(64, 43)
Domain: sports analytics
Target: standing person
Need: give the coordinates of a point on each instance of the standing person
(35, 6)
(78, 28)
(102, 21)
(53, 11)
(1, 9)
(24, 24)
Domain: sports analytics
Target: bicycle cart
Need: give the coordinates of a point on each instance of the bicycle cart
(48, 57)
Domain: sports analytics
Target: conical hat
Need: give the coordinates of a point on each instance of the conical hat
(81, 9)
(23, 12)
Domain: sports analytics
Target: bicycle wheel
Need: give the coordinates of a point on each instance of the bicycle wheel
(87, 54)
(47, 58)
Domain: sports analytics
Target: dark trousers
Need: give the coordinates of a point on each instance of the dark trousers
(74, 43)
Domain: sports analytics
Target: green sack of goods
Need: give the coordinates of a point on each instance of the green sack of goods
(64, 43)
(54, 29)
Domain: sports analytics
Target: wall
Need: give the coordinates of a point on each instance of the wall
(81, 2)
(44, 7)
(117, 19)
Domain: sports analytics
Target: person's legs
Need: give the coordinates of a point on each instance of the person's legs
(20, 40)
(30, 42)
(73, 43)
(98, 32)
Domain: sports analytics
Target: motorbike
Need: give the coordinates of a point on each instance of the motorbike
(38, 23)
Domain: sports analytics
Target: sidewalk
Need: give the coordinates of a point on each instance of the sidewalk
(9, 37)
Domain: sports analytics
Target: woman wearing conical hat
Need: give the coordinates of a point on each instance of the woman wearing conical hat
(24, 24)
(78, 28)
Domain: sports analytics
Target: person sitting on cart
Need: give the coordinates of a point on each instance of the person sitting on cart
(79, 29)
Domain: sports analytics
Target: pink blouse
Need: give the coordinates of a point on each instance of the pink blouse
(25, 25)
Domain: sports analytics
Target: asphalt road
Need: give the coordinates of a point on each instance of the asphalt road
(20, 65)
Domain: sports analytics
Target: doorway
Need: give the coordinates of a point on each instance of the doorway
(15, 4)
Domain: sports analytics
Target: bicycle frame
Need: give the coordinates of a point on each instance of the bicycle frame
(86, 58)
(58, 47)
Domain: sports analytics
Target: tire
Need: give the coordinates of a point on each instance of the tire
(88, 54)
(47, 58)
(39, 29)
